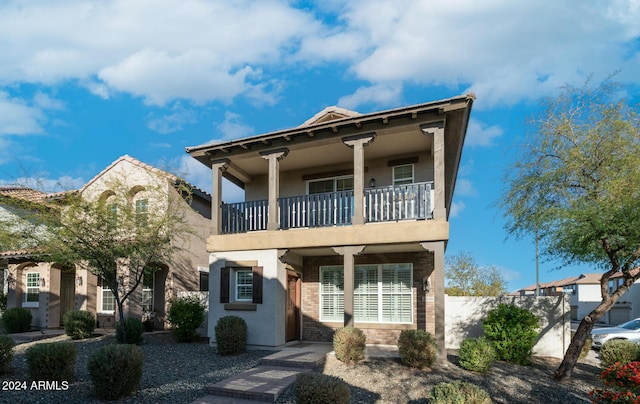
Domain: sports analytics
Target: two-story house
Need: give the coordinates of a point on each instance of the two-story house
(344, 223)
(49, 289)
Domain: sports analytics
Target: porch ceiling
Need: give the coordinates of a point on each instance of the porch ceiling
(369, 249)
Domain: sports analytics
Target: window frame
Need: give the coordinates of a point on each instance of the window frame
(146, 290)
(376, 295)
(110, 297)
(248, 283)
(403, 181)
(27, 302)
(334, 180)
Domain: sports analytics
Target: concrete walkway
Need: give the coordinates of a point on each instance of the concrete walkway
(30, 336)
(277, 372)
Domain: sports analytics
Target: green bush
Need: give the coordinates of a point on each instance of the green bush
(417, 348)
(513, 332)
(316, 388)
(79, 324)
(134, 330)
(17, 319)
(476, 354)
(6, 353)
(186, 314)
(231, 335)
(458, 392)
(349, 344)
(115, 371)
(54, 361)
(619, 350)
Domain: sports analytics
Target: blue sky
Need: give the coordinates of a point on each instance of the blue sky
(85, 82)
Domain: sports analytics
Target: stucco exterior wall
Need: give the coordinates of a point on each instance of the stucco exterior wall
(463, 319)
(266, 325)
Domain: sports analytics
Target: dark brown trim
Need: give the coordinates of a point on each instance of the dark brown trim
(257, 285)
(224, 285)
(404, 161)
(240, 306)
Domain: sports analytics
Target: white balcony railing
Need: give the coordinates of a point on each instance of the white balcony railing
(381, 204)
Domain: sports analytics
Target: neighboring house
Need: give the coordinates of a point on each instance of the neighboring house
(345, 222)
(49, 289)
(584, 296)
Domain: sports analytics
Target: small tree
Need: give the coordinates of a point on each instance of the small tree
(466, 278)
(118, 235)
(575, 188)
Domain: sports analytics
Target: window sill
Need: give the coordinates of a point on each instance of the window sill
(31, 305)
(240, 306)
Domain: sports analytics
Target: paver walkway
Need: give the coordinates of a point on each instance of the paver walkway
(276, 373)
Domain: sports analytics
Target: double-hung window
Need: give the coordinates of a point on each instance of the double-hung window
(33, 289)
(108, 300)
(244, 285)
(382, 293)
(403, 174)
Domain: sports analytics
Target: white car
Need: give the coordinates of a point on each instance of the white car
(629, 330)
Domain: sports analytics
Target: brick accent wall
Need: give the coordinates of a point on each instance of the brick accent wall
(423, 304)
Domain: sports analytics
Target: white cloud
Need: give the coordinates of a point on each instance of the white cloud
(44, 101)
(456, 209)
(19, 118)
(464, 187)
(379, 94)
(173, 121)
(478, 134)
(233, 128)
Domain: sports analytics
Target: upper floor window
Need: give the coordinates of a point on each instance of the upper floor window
(142, 209)
(403, 174)
(335, 184)
(33, 288)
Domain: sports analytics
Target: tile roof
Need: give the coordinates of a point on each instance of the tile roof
(24, 193)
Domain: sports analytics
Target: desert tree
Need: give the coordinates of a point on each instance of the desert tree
(575, 185)
(120, 232)
(466, 278)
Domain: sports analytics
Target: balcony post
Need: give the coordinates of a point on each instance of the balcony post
(217, 168)
(357, 143)
(274, 157)
(348, 252)
(437, 150)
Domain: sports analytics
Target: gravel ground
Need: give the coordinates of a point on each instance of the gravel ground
(388, 381)
(172, 372)
(179, 373)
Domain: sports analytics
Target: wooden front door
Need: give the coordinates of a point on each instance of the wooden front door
(67, 293)
(292, 323)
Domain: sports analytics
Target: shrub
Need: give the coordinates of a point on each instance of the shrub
(115, 371)
(79, 324)
(231, 335)
(3, 301)
(316, 388)
(6, 353)
(477, 354)
(619, 350)
(417, 348)
(134, 330)
(513, 332)
(54, 361)
(16, 319)
(622, 381)
(458, 392)
(349, 344)
(186, 314)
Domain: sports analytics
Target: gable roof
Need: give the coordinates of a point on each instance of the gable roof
(171, 177)
(328, 114)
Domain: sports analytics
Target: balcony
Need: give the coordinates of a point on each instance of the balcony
(381, 204)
